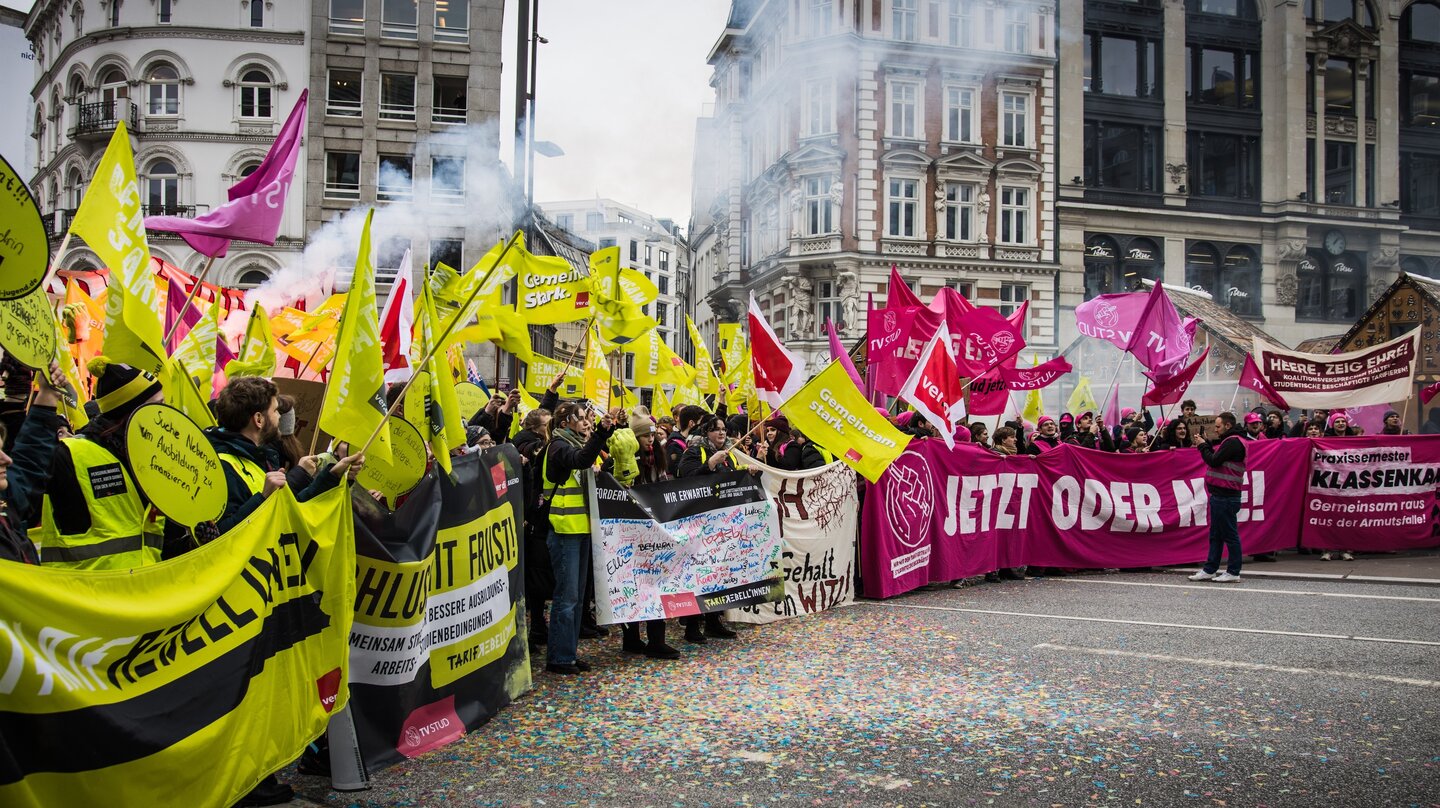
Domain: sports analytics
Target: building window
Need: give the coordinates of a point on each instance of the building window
(902, 206)
(1421, 22)
(397, 96)
(1017, 28)
(1244, 9)
(397, 177)
(1122, 157)
(662, 313)
(606, 243)
(1015, 120)
(595, 221)
(257, 13)
(449, 100)
(399, 19)
(346, 17)
(818, 210)
(1419, 192)
(822, 16)
(960, 211)
(1015, 215)
(1339, 172)
(1223, 165)
(959, 24)
(251, 278)
(1222, 78)
(827, 305)
(256, 95)
(1233, 282)
(664, 265)
(342, 175)
(452, 21)
(565, 221)
(662, 283)
(634, 252)
(448, 251)
(1012, 297)
(961, 124)
(819, 107)
(1331, 287)
(1420, 99)
(1123, 66)
(905, 19)
(112, 16)
(447, 178)
(162, 188)
(343, 97)
(1339, 87)
(163, 93)
(389, 256)
(649, 255)
(162, 12)
(248, 169)
(904, 107)
(1326, 11)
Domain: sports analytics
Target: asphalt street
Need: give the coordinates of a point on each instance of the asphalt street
(1133, 689)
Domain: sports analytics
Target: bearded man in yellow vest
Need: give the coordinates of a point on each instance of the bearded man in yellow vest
(248, 411)
(94, 515)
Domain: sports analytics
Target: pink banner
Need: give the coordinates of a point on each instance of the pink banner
(1111, 317)
(941, 515)
(1035, 378)
(1372, 493)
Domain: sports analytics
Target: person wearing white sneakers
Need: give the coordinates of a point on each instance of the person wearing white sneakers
(1224, 480)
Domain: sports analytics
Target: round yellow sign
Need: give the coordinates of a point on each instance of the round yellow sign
(472, 398)
(27, 328)
(175, 465)
(24, 246)
(407, 449)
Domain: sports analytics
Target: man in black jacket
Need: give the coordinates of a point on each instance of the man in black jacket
(1224, 480)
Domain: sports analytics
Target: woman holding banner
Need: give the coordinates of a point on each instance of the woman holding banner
(653, 463)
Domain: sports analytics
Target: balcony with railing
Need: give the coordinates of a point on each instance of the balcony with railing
(57, 222)
(100, 118)
(182, 211)
(448, 115)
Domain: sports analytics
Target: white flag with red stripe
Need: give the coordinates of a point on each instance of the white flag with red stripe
(397, 323)
(779, 372)
(934, 387)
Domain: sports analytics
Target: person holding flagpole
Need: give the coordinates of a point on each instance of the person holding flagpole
(1224, 481)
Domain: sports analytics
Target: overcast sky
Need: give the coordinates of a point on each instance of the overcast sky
(620, 86)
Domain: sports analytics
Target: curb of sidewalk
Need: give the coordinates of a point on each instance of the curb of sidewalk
(1320, 576)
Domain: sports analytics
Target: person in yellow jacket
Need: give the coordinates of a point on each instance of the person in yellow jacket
(94, 516)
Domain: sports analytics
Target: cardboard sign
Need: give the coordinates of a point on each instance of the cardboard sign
(24, 247)
(27, 328)
(404, 472)
(175, 465)
(308, 396)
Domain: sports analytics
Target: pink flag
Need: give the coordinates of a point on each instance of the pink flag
(1251, 379)
(1172, 389)
(837, 351)
(898, 294)
(1037, 377)
(779, 372)
(988, 394)
(257, 202)
(1111, 317)
(983, 338)
(1161, 341)
(175, 294)
(1429, 392)
(397, 324)
(934, 388)
(1112, 407)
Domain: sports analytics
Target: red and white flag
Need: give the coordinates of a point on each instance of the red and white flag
(397, 323)
(1171, 389)
(779, 372)
(934, 387)
(1251, 379)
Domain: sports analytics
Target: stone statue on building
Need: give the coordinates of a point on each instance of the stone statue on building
(849, 302)
(802, 307)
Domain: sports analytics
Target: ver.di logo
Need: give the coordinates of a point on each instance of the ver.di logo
(1107, 315)
(910, 499)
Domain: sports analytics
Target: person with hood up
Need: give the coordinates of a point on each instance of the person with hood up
(1224, 481)
(1066, 426)
(1432, 424)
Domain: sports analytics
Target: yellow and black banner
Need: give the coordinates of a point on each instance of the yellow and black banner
(180, 683)
(437, 647)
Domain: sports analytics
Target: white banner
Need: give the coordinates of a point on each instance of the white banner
(819, 517)
(1380, 374)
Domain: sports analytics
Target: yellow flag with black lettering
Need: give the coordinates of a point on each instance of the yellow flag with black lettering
(439, 420)
(549, 290)
(257, 350)
(597, 372)
(831, 411)
(706, 381)
(354, 406)
(540, 370)
(182, 683)
(112, 222)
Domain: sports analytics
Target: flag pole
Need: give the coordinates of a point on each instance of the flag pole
(444, 335)
(180, 316)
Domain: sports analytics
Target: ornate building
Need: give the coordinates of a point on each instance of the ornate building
(849, 135)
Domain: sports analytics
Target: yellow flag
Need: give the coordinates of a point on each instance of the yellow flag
(620, 322)
(440, 421)
(831, 411)
(523, 407)
(550, 290)
(257, 350)
(354, 405)
(627, 284)
(541, 370)
(659, 404)
(1034, 408)
(182, 394)
(732, 346)
(1082, 400)
(740, 384)
(111, 221)
(597, 372)
(707, 382)
(477, 287)
(197, 350)
(655, 363)
(688, 394)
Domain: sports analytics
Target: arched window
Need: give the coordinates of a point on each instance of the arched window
(257, 13)
(1240, 282)
(1201, 264)
(77, 97)
(252, 276)
(162, 188)
(114, 86)
(248, 169)
(255, 94)
(112, 14)
(39, 132)
(164, 90)
(1414, 265)
(74, 188)
(1421, 22)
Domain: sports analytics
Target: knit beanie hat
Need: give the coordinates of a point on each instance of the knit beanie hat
(641, 424)
(1045, 419)
(1330, 424)
(1132, 433)
(121, 389)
